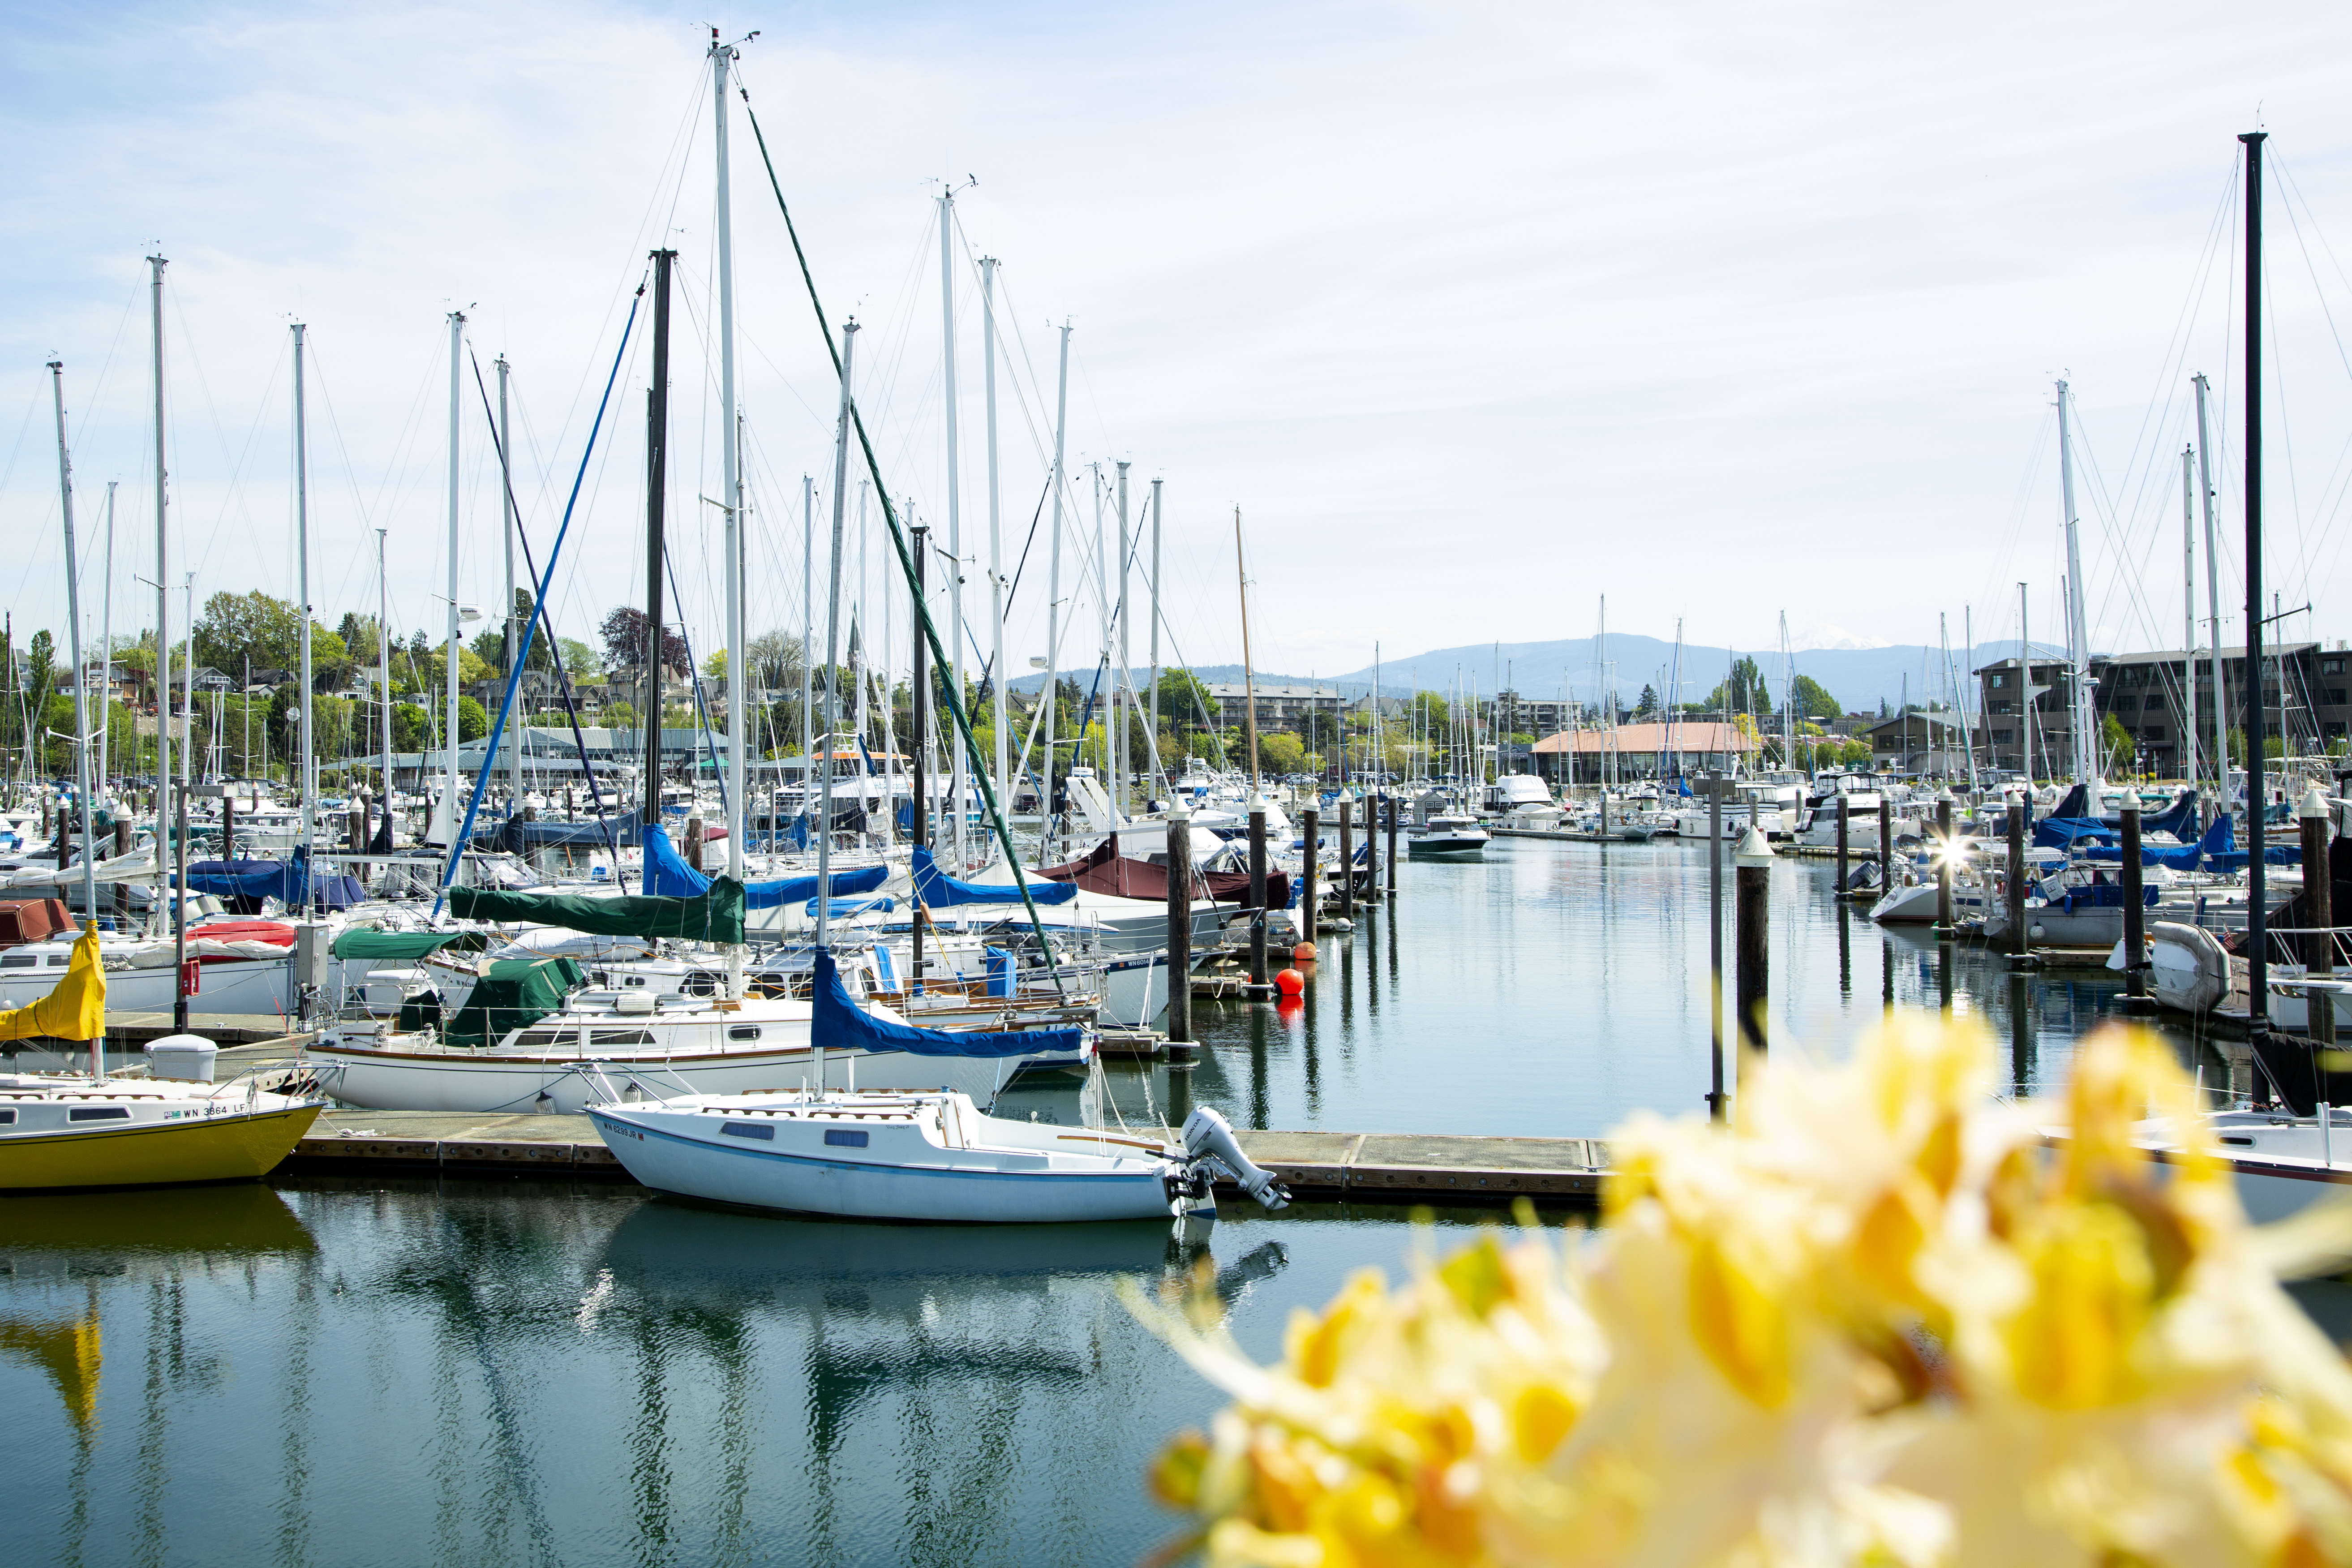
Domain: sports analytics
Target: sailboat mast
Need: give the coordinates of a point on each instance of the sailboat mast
(106, 651)
(1124, 717)
(82, 681)
(722, 57)
(2257, 951)
(1249, 669)
(450, 685)
(309, 763)
(2188, 613)
(384, 672)
(656, 485)
(808, 640)
(1155, 621)
(2078, 636)
(955, 511)
(2213, 599)
(155, 265)
(511, 646)
(1003, 673)
(2025, 697)
(832, 654)
(1054, 589)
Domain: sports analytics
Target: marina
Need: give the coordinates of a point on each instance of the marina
(868, 797)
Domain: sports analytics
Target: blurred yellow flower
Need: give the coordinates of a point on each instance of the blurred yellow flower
(1884, 1319)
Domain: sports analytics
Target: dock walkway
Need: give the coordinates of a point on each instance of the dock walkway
(1366, 1167)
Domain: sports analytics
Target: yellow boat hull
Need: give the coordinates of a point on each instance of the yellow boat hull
(214, 1149)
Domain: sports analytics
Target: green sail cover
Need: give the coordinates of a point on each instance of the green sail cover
(514, 994)
(714, 916)
(361, 943)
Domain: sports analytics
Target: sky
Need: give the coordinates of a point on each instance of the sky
(1474, 314)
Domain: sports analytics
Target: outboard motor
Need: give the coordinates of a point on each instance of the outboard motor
(1209, 1139)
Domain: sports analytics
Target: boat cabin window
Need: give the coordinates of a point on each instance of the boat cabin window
(98, 1113)
(748, 1130)
(844, 1138)
(744, 1031)
(59, 960)
(7, 1115)
(20, 960)
(600, 1038)
(541, 1039)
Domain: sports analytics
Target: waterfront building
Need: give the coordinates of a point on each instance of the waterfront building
(1687, 747)
(2307, 696)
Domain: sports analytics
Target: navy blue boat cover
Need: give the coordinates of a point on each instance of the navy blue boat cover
(668, 875)
(935, 887)
(290, 882)
(840, 1023)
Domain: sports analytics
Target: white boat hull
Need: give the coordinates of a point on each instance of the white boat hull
(896, 1173)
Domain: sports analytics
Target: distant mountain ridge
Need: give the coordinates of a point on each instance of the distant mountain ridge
(1859, 677)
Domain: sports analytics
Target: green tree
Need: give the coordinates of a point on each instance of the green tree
(1743, 692)
(619, 716)
(580, 661)
(410, 731)
(473, 721)
(1281, 753)
(1856, 753)
(1184, 700)
(715, 666)
(1813, 701)
(1648, 702)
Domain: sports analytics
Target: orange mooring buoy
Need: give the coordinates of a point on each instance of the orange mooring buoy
(1304, 953)
(1290, 983)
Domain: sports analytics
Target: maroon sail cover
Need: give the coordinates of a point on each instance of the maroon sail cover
(1105, 871)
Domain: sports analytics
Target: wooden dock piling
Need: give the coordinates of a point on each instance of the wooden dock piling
(2318, 897)
(2019, 955)
(1347, 856)
(1944, 863)
(2135, 998)
(1258, 989)
(1179, 930)
(1845, 823)
(1311, 823)
(1752, 922)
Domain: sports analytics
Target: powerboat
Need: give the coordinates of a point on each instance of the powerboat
(1447, 837)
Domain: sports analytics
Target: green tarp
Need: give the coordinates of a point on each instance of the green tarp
(360, 943)
(514, 994)
(716, 916)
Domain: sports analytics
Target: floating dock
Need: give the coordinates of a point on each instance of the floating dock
(1361, 1167)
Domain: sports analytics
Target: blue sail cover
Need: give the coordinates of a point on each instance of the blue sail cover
(2065, 832)
(2219, 839)
(668, 875)
(839, 1023)
(290, 882)
(936, 888)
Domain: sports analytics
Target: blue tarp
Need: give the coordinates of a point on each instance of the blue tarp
(2103, 896)
(838, 1023)
(668, 875)
(2065, 832)
(289, 881)
(2219, 839)
(842, 908)
(936, 888)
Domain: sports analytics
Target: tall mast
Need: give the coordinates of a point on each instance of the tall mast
(2257, 955)
(1054, 586)
(2213, 600)
(808, 640)
(309, 765)
(1125, 716)
(1155, 618)
(384, 672)
(2026, 695)
(2078, 636)
(1004, 674)
(832, 652)
(656, 484)
(722, 58)
(1103, 601)
(955, 527)
(81, 679)
(2188, 613)
(510, 647)
(106, 650)
(155, 265)
(1249, 669)
(450, 685)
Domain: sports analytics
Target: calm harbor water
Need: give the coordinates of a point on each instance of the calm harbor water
(345, 1372)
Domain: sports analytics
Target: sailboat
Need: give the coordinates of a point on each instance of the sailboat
(927, 1157)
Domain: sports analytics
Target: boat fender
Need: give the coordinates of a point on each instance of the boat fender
(1209, 1141)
